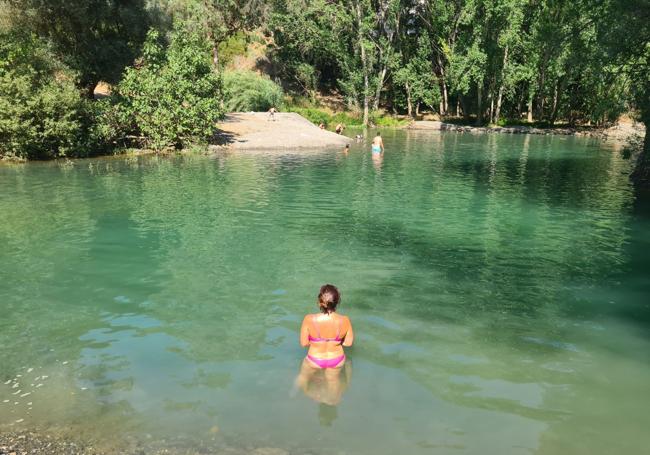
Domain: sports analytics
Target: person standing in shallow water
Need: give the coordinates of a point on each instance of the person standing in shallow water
(326, 333)
(377, 144)
(325, 374)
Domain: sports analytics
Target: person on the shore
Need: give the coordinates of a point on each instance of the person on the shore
(377, 144)
(272, 112)
(326, 332)
(339, 128)
(321, 126)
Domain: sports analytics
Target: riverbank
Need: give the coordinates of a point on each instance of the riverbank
(620, 132)
(286, 130)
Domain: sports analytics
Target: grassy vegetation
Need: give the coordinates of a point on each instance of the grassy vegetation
(318, 114)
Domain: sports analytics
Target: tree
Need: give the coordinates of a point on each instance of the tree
(630, 52)
(416, 77)
(248, 91)
(95, 38)
(42, 114)
(172, 96)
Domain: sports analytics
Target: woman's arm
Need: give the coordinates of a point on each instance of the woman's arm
(304, 333)
(349, 335)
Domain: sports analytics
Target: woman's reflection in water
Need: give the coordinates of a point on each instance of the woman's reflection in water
(325, 386)
(377, 160)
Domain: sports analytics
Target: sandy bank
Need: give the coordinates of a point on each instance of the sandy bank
(256, 131)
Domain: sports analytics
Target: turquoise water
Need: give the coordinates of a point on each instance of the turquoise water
(498, 286)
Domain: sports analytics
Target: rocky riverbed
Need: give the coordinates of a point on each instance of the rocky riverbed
(27, 442)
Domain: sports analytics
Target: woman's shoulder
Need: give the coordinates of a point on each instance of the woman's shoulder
(343, 318)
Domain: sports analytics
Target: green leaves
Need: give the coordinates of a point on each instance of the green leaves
(248, 91)
(172, 97)
(95, 38)
(42, 114)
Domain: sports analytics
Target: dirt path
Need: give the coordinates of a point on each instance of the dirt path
(257, 131)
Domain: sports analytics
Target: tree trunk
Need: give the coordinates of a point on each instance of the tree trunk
(417, 109)
(541, 82)
(211, 40)
(444, 102)
(409, 103)
(491, 108)
(641, 174)
(380, 86)
(555, 97)
(364, 64)
(458, 107)
(479, 105)
(530, 108)
(503, 83)
(520, 101)
(464, 107)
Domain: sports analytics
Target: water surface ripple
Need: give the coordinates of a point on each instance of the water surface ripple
(498, 286)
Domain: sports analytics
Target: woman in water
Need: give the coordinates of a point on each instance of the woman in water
(324, 374)
(326, 332)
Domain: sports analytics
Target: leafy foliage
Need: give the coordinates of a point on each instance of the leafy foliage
(95, 38)
(42, 114)
(172, 96)
(248, 91)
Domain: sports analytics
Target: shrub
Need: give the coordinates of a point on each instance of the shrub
(248, 91)
(314, 115)
(42, 114)
(171, 97)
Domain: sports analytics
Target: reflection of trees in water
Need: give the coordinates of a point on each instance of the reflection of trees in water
(45, 233)
(534, 228)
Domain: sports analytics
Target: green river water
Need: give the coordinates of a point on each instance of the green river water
(498, 286)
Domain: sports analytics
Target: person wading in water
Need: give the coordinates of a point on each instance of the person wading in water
(324, 374)
(377, 144)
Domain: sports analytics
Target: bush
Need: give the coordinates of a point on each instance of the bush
(42, 114)
(248, 91)
(314, 115)
(171, 97)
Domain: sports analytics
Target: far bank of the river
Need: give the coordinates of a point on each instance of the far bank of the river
(620, 132)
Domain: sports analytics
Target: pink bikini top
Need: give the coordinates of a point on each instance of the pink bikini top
(321, 339)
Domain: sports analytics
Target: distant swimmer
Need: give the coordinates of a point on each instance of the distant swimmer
(346, 149)
(377, 144)
(272, 112)
(339, 128)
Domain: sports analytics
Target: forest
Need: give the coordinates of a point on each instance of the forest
(168, 63)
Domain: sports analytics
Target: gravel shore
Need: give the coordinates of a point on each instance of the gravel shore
(621, 132)
(285, 131)
(41, 443)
